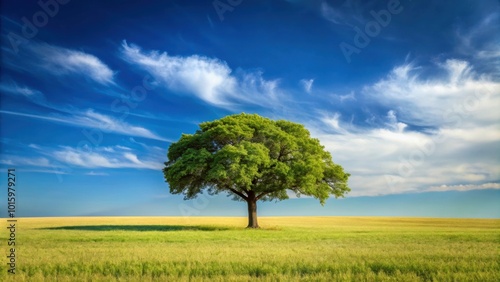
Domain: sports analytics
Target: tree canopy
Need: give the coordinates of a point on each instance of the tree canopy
(253, 158)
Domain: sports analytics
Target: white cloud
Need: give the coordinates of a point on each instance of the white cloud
(350, 96)
(394, 123)
(332, 121)
(92, 173)
(34, 146)
(209, 79)
(460, 107)
(106, 123)
(307, 84)
(93, 120)
(63, 61)
(64, 159)
(476, 42)
(465, 187)
(24, 161)
(102, 158)
(443, 100)
(131, 157)
(36, 58)
(384, 161)
(11, 87)
(50, 171)
(489, 54)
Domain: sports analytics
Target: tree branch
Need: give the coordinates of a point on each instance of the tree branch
(238, 193)
(262, 195)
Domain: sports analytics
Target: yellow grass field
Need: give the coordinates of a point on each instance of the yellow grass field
(284, 249)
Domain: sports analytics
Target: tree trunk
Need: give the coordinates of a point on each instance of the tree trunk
(252, 211)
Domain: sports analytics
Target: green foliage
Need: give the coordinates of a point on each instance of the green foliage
(251, 155)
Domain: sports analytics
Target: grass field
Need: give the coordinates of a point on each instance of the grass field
(285, 249)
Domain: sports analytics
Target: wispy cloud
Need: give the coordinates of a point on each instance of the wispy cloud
(11, 87)
(7, 159)
(307, 84)
(98, 158)
(92, 173)
(52, 159)
(49, 171)
(107, 123)
(209, 79)
(94, 120)
(332, 121)
(63, 61)
(60, 61)
(350, 96)
(465, 187)
(475, 41)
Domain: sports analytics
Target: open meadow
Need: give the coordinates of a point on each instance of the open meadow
(284, 249)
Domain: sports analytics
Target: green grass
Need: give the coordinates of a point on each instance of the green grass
(285, 249)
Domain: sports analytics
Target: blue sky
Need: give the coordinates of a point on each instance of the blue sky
(405, 94)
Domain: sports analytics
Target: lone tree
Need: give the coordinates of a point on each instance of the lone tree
(253, 158)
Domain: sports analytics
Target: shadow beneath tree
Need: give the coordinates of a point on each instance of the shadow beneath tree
(163, 228)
